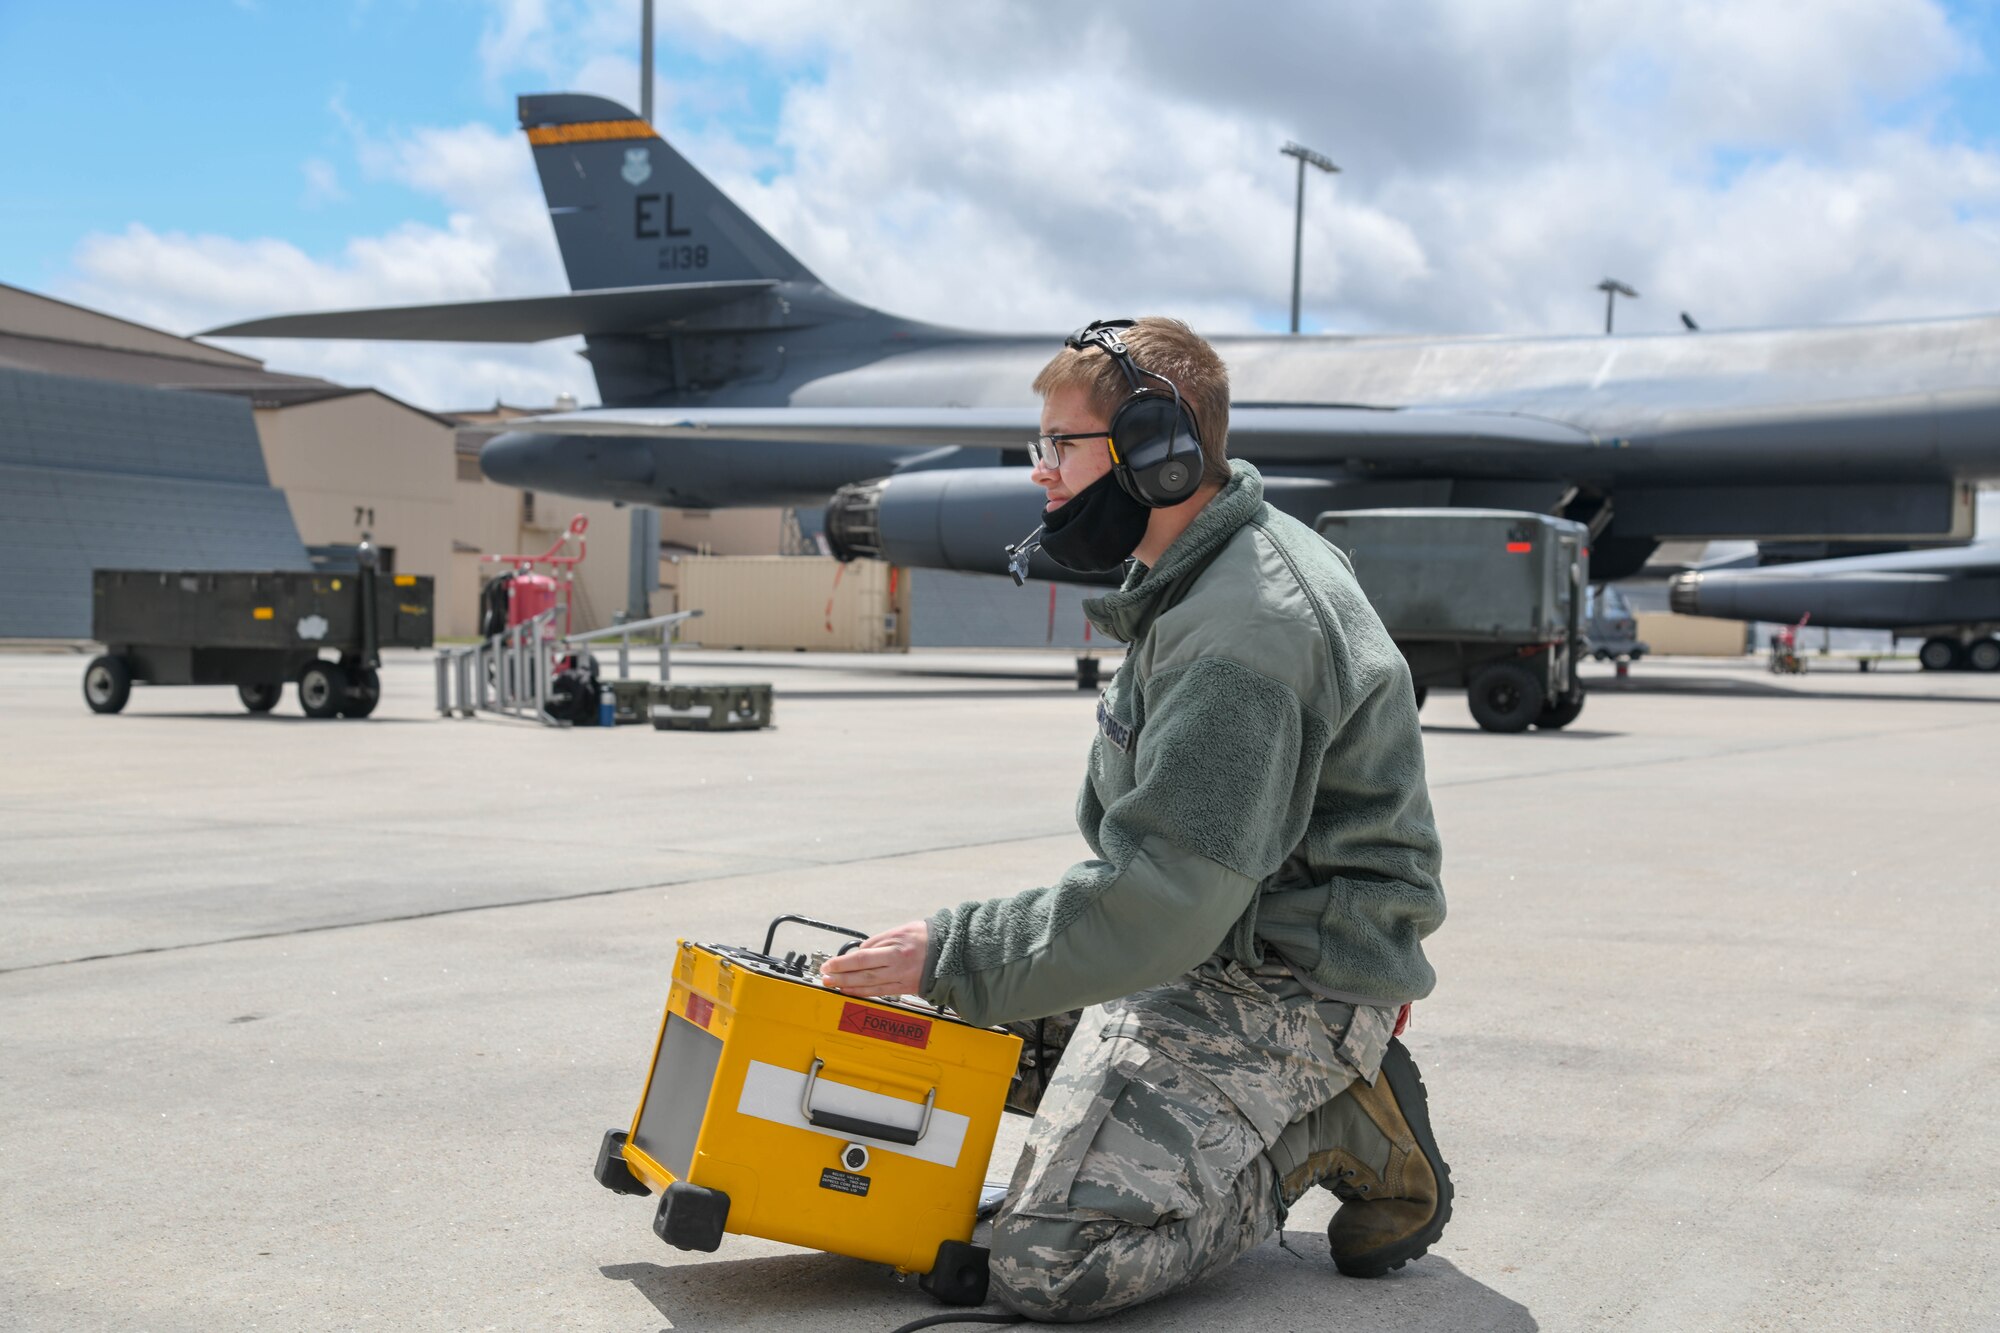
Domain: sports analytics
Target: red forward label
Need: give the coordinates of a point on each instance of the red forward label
(903, 1029)
(700, 1010)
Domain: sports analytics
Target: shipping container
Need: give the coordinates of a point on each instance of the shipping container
(810, 603)
(1670, 635)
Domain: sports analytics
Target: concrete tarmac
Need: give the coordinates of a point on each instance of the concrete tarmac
(315, 1025)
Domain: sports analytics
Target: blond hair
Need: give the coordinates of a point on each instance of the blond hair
(1166, 347)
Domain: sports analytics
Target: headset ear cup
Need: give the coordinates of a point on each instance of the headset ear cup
(1159, 455)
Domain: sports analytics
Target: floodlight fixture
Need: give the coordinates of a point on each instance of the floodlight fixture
(1324, 163)
(1305, 154)
(1613, 289)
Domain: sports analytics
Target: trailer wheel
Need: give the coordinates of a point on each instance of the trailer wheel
(107, 684)
(322, 689)
(1559, 713)
(1940, 654)
(261, 697)
(363, 694)
(1505, 697)
(1984, 655)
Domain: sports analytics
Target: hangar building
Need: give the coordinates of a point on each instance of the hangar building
(124, 445)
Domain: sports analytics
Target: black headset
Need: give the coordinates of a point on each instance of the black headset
(1155, 445)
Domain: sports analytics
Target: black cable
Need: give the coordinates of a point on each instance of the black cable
(973, 1317)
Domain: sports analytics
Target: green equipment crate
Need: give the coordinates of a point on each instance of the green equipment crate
(631, 701)
(710, 707)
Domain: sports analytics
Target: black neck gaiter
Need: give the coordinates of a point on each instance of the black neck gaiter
(1097, 530)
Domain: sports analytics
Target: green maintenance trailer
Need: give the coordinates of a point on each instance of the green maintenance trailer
(1488, 599)
(322, 631)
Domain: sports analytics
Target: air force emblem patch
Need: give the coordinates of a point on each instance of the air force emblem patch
(638, 166)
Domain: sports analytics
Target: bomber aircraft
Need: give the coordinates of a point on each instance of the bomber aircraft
(731, 375)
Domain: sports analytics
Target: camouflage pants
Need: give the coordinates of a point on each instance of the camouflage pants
(1144, 1169)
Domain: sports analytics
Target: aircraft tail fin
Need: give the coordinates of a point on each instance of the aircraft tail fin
(629, 211)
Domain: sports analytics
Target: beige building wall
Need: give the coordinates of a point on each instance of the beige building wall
(363, 462)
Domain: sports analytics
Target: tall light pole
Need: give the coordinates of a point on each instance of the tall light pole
(1324, 163)
(1613, 289)
(643, 572)
(646, 62)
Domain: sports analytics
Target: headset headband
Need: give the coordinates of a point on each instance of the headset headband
(1103, 335)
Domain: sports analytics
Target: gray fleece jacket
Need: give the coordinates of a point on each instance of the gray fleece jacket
(1256, 786)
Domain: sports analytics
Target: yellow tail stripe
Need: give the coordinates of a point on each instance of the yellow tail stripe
(589, 131)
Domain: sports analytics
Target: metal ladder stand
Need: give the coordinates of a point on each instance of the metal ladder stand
(510, 673)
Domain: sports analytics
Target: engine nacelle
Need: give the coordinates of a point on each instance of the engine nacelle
(952, 518)
(1861, 599)
(965, 518)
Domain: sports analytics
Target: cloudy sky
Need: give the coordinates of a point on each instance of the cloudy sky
(1022, 166)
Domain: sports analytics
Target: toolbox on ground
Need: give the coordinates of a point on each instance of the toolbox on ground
(779, 1108)
(710, 707)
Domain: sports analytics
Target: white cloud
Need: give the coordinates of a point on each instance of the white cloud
(322, 183)
(1021, 167)
(495, 242)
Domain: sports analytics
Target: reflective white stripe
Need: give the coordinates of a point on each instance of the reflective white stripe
(771, 1093)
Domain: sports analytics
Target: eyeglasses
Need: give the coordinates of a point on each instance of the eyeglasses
(1047, 450)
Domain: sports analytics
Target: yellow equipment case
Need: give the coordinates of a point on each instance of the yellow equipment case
(777, 1107)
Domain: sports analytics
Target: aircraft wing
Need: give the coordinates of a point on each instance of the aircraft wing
(1257, 431)
(520, 319)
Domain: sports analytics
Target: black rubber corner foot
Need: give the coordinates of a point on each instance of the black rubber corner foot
(691, 1218)
(958, 1277)
(611, 1171)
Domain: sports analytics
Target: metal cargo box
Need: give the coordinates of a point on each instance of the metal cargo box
(1491, 599)
(710, 707)
(1491, 574)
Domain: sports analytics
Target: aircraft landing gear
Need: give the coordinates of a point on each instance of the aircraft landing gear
(1941, 654)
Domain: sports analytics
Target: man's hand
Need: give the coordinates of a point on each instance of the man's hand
(891, 963)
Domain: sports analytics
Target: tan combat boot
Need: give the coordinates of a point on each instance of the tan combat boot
(1373, 1147)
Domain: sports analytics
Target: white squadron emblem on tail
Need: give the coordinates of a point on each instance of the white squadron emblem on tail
(638, 166)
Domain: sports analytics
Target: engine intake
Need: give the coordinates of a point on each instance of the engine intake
(1684, 594)
(854, 520)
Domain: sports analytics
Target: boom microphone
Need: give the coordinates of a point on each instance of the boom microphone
(1018, 553)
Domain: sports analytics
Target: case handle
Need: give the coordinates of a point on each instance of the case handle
(867, 1129)
(771, 935)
